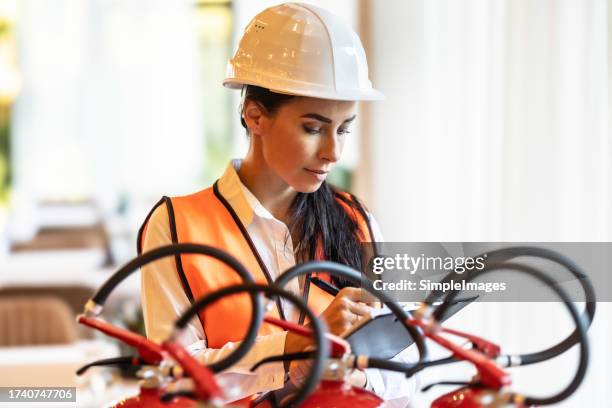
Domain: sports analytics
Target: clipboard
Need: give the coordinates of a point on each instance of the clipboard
(383, 336)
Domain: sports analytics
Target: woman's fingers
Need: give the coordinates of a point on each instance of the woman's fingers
(360, 309)
(351, 293)
(345, 310)
(357, 295)
(350, 298)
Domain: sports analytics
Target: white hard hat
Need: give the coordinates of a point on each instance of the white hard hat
(300, 49)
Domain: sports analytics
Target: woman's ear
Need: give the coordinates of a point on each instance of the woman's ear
(254, 116)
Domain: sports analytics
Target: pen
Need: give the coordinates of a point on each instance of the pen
(327, 287)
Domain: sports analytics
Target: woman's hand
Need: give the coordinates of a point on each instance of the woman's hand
(341, 314)
(344, 311)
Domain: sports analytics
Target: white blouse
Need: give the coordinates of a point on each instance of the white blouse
(163, 300)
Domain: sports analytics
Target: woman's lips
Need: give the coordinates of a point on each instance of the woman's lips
(318, 174)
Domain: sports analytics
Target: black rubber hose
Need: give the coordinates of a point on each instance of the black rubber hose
(105, 290)
(409, 368)
(357, 278)
(389, 364)
(127, 361)
(176, 249)
(318, 327)
(304, 355)
(504, 254)
(580, 326)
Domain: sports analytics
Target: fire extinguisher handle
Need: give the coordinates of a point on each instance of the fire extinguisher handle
(149, 351)
(206, 386)
(338, 345)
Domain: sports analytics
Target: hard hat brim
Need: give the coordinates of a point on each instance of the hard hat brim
(309, 91)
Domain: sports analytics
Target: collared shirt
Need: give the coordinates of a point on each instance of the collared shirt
(163, 299)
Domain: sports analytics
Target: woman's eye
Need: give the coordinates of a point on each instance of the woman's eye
(312, 131)
(343, 131)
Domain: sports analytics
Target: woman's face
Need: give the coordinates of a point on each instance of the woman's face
(302, 141)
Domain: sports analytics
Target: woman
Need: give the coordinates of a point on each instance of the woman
(301, 71)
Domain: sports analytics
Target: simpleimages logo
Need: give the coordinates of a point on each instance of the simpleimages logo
(412, 264)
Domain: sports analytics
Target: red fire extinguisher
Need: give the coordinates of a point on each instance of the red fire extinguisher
(158, 371)
(498, 259)
(317, 331)
(484, 391)
(489, 388)
(155, 371)
(311, 392)
(335, 391)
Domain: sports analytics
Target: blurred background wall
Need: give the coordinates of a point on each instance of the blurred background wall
(495, 127)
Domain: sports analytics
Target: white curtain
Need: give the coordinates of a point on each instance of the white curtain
(495, 128)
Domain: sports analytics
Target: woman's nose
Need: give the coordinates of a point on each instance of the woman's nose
(330, 149)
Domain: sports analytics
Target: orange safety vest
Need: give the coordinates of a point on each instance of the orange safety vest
(207, 218)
